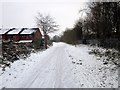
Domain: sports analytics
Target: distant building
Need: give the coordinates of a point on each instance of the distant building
(3, 33)
(20, 35)
(13, 34)
(56, 38)
(30, 34)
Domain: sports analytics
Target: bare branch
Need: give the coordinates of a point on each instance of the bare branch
(46, 23)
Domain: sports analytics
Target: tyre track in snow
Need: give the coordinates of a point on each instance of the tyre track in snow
(50, 72)
(40, 74)
(47, 72)
(59, 58)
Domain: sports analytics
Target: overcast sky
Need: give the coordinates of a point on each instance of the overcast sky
(20, 13)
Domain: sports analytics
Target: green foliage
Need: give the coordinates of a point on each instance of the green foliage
(37, 44)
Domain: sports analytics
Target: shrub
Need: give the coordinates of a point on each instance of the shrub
(37, 44)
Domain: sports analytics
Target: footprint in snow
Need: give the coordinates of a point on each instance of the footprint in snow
(73, 62)
(70, 56)
(79, 63)
(82, 85)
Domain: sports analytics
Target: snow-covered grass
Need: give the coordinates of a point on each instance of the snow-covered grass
(89, 71)
(60, 66)
(108, 55)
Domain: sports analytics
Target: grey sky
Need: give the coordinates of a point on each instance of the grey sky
(0, 14)
(22, 13)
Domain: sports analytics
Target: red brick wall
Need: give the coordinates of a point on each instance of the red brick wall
(26, 37)
(0, 37)
(37, 35)
(3, 37)
(12, 37)
(15, 38)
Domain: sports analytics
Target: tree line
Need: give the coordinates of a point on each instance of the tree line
(102, 23)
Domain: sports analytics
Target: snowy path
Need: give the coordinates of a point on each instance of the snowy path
(61, 66)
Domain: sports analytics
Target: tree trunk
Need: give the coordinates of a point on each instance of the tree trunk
(45, 41)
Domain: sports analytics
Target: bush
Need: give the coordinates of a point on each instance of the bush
(37, 44)
(111, 43)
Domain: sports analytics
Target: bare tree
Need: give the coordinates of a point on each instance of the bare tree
(46, 24)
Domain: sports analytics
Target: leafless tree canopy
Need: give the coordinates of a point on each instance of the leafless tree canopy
(46, 23)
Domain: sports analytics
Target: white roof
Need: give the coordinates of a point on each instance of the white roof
(27, 31)
(3, 31)
(41, 31)
(25, 41)
(14, 31)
